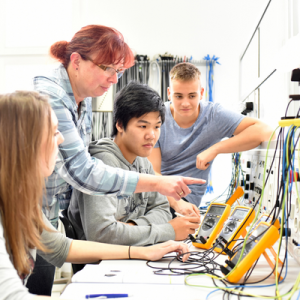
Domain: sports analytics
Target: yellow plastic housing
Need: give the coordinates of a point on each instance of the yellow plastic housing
(241, 229)
(217, 229)
(267, 241)
(289, 122)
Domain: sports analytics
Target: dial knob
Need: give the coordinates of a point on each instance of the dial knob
(229, 228)
(208, 223)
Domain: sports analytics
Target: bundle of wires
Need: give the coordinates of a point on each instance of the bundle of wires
(204, 264)
(236, 173)
(210, 62)
(140, 72)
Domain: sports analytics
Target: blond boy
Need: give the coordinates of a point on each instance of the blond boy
(192, 134)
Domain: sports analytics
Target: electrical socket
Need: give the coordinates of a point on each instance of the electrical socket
(294, 251)
(292, 214)
(257, 159)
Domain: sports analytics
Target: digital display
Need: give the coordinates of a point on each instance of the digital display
(240, 213)
(262, 219)
(265, 219)
(216, 209)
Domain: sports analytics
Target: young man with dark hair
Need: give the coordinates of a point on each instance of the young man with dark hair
(143, 218)
(192, 134)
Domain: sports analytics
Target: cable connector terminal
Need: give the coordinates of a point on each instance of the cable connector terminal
(230, 263)
(202, 240)
(192, 238)
(223, 240)
(228, 252)
(224, 270)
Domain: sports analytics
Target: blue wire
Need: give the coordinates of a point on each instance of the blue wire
(286, 255)
(257, 286)
(246, 286)
(217, 197)
(293, 174)
(283, 162)
(292, 165)
(298, 296)
(209, 75)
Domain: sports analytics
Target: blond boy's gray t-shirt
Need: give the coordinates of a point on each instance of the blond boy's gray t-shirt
(180, 146)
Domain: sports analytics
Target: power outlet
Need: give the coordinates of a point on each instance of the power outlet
(256, 159)
(294, 239)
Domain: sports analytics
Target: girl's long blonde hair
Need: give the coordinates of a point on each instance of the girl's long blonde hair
(24, 119)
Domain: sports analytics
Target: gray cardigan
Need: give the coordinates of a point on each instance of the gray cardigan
(95, 218)
(11, 287)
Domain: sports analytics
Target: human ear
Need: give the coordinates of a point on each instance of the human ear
(75, 59)
(169, 93)
(119, 127)
(201, 92)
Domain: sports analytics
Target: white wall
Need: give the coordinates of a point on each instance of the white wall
(196, 28)
(275, 52)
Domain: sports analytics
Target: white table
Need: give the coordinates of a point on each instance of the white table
(136, 278)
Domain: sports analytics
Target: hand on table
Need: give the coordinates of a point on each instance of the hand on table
(156, 252)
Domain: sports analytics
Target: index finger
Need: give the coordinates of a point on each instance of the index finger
(191, 180)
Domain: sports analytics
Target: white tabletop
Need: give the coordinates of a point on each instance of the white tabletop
(137, 279)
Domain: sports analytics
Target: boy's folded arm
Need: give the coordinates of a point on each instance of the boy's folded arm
(101, 225)
(157, 211)
(123, 234)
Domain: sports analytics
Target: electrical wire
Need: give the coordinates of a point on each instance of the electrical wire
(203, 263)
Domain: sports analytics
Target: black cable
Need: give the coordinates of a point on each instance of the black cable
(288, 107)
(204, 262)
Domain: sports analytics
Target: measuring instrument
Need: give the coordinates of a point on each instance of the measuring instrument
(235, 226)
(211, 225)
(263, 218)
(262, 237)
(213, 221)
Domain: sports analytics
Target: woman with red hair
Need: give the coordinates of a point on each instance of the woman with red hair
(90, 64)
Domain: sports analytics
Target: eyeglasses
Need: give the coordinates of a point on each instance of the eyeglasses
(110, 71)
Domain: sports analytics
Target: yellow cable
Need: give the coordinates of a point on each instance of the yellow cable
(295, 287)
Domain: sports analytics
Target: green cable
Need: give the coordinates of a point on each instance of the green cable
(282, 218)
(295, 287)
(251, 226)
(298, 198)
